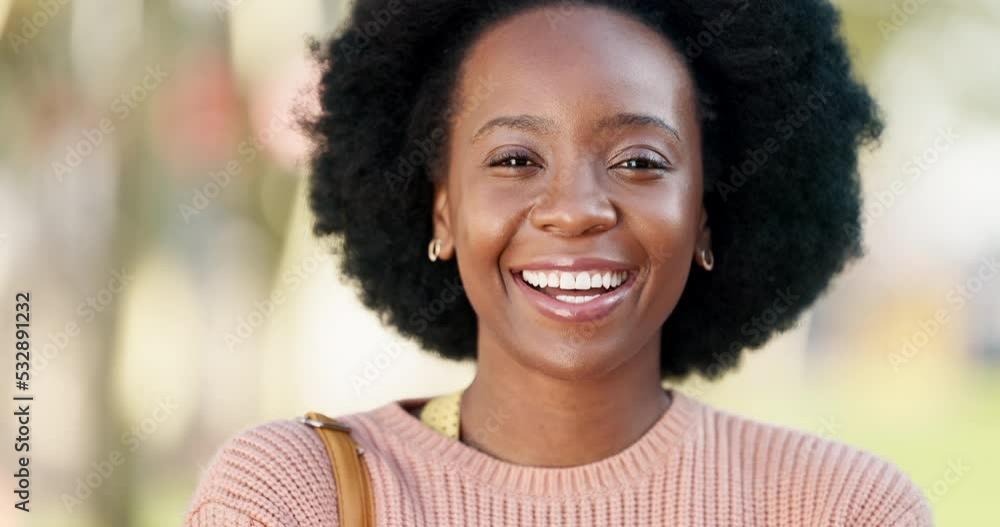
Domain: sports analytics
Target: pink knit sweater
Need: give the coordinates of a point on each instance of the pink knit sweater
(696, 466)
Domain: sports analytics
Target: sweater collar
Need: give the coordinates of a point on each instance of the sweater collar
(664, 439)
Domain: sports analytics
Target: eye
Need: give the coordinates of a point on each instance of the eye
(644, 161)
(512, 159)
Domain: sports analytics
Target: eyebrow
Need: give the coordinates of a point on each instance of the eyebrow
(526, 123)
(622, 120)
(542, 125)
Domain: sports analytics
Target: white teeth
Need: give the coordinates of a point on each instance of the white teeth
(575, 281)
(576, 299)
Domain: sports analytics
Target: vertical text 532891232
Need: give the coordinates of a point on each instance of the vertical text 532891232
(22, 401)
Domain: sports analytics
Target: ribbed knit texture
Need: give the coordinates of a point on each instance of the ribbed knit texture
(696, 466)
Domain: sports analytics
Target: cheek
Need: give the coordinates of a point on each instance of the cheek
(664, 222)
(485, 220)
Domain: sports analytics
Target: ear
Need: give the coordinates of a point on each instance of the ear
(703, 241)
(442, 222)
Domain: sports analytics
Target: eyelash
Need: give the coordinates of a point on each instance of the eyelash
(503, 159)
(511, 155)
(653, 162)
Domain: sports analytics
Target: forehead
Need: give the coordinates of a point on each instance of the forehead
(548, 62)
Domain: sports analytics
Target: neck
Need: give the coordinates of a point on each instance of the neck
(522, 416)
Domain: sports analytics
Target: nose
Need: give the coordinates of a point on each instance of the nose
(574, 202)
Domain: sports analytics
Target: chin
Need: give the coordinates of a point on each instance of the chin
(576, 355)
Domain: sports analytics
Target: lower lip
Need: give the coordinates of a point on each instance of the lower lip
(596, 309)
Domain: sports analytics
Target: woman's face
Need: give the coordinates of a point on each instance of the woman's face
(573, 193)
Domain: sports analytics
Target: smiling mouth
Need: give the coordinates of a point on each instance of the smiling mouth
(574, 287)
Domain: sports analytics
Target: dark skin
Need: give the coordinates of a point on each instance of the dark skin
(593, 149)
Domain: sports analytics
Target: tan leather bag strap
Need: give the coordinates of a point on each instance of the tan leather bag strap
(355, 502)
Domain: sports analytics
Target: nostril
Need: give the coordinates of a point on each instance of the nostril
(572, 208)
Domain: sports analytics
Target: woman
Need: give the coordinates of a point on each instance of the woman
(615, 190)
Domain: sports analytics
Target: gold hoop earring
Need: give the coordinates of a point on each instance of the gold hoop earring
(434, 249)
(707, 259)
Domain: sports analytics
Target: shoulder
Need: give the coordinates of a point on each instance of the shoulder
(834, 482)
(273, 474)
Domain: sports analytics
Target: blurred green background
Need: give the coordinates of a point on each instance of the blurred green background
(151, 183)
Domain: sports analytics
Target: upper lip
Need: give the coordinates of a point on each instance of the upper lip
(573, 263)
